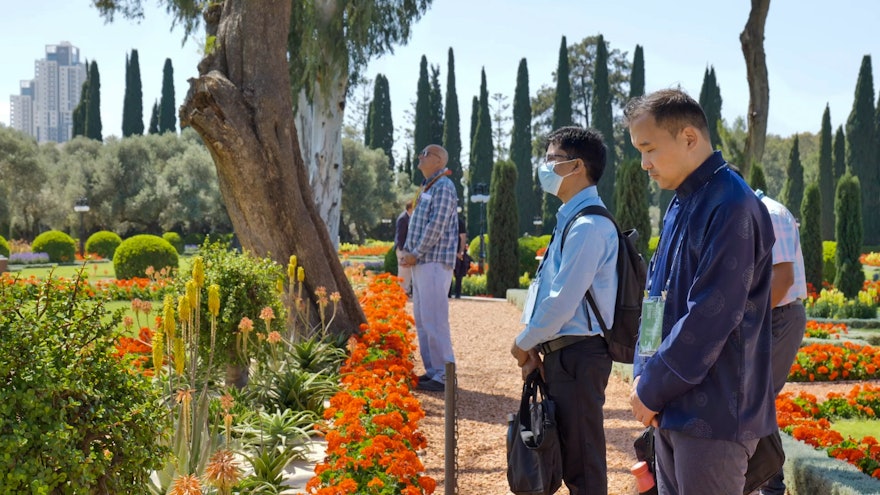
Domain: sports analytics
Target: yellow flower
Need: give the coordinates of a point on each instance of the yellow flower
(214, 299)
(198, 272)
(300, 274)
(183, 307)
(179, 356)
(192, 293)
(279, 285)
(168, 318)
(158, 350)
(291, 267)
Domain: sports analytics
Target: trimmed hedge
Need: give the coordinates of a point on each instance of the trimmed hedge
(60, 247)
(136, 254)
(175, 240)
(810, 471)
(103, 243)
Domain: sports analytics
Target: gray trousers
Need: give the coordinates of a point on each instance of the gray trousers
(689, 465)
(431, 312)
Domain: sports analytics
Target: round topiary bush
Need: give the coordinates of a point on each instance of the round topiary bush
(175, 240)
(60, 247)
(136, 254)
(4, 247)
(103, 243)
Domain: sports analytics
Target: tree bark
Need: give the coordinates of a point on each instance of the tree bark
(241, 108)
(752, 41)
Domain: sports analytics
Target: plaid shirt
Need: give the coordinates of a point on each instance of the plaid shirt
(433, 227)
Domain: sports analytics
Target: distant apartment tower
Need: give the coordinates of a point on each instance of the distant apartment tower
(44, 107)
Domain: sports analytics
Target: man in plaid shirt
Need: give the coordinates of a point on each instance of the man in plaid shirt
(430, 249)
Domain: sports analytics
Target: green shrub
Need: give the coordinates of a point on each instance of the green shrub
(60, 247)
(528, 247)
(652, 246)
(73, 417)
(390, 262)
(103, 243)
(474, 285)
(194, 239)
(175, 240)
(136, 254)
(4, 247)
(829, 267)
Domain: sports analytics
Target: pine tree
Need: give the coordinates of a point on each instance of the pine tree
(503, 231)
(636, 88)
(632, 202)
(710, 100)
(381, 124)
(826, 177)
(436, 99)
(603, 121)
(154, 119)
(93, 125)
(561, 118)
(793, 190)
(482, 155)
(860, 149)
(452, 130)
(521, 149)
(133, 101)
(167, 107)
(757, 180)
(839, 155)
(811, 234)
(423, 130)
(848, 226)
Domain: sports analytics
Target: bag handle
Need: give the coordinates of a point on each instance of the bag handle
(533, 385)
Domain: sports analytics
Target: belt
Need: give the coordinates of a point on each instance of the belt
(558, 343)
(786, 306)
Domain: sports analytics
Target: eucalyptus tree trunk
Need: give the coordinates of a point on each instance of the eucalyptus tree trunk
(319, 123)
(240, 108)
(752, 41)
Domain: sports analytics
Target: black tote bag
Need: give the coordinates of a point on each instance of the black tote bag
(534, 458)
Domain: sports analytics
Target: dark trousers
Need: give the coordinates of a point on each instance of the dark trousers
(576, 378)
(789, 323)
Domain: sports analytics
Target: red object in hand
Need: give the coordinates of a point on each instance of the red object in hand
(644, 477)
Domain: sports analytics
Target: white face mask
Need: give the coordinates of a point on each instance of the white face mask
(550, 180)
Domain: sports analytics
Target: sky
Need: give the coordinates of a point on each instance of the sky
(813, 51)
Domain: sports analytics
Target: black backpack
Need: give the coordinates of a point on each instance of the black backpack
(623, 336)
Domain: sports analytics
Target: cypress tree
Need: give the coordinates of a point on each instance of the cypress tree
(860, 149)
(521, 149)
(561, 118)
(381, 124)
(368, 126)
(826, 177)
(482, 153)
(811, 234)
(793, 190)
(452, 130)
(133, 102)
(757, 180)
(503, 253)
(436, 99)
(603, 121)
(538, 196)
(167, 108)
(475, 115)
(839, 155)
(632, 202)
(848, 226)
(710, 100)
(93, 125)
(422, 132)
(407, 164)
(154, 119)
(79, 113)
(636, 88)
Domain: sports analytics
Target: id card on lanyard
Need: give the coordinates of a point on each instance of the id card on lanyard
(653, 309)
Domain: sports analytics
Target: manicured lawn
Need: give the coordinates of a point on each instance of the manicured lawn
(856, 428)
(103, 269)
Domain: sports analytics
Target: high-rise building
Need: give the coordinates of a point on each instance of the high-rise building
(44, 107)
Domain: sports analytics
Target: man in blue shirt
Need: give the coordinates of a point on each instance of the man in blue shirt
(561, 326)
(430, 249)
(708, 384)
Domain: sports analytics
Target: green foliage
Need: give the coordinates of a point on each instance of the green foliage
(389, 262)
(826, 176)
(381, 125)
(154, 119)
(60, 247)
(603, 121)
(103, 243)
(133, 101)
(474, 285)
(839, 154)
(756, 178)
(136, 254)
(829, 262)
(710, 100)
(4, 247)
(175, 240)
(482, 156)
(632, 202)
(636, 88)
(652, 246)
(811, 235)
(93, 125)
(521, 150)
(436, 103)
(73, 418)
(793, 190)
(422, 131)
(528, 249)
(848, 222)
(365, 174)
(503, 227)
(167, 107)
(452, 130)
(861, 150)
(562, 103)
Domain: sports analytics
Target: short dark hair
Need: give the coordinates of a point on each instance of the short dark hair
(586, 144)
(673, 110)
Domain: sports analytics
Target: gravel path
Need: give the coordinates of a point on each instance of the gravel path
(489, 388)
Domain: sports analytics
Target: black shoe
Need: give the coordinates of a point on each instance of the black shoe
(431, 386)
(424, 378)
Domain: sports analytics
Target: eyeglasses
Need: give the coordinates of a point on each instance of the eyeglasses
(554, 160)
(424, 154)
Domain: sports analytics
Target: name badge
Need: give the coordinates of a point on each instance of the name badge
(651, 330)
(529, 306)
(425, 196)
